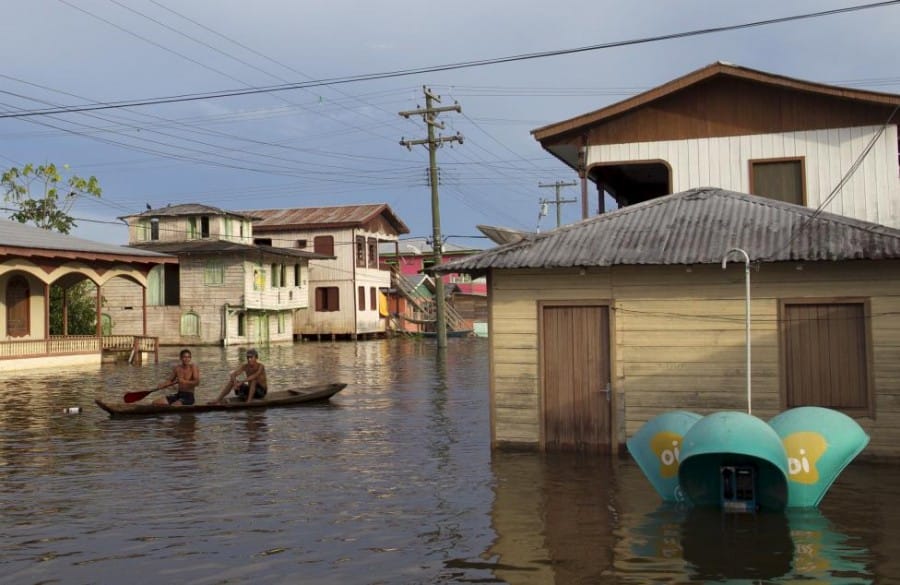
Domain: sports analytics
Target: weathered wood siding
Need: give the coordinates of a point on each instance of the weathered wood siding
(871, 194)
(342, 273)
(679, 339)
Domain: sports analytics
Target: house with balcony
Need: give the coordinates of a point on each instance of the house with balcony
(225, 289)
(346, 279)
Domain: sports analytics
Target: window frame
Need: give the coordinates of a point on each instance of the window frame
(760, 162)
(868, 393)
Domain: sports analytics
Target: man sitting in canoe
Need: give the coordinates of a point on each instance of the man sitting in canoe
(253, 385)
(186, 376)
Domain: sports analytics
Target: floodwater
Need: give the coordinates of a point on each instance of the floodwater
(392, 482)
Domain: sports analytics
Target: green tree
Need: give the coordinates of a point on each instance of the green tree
(41, 195)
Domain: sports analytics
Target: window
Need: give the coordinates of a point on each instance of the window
(259, 278)
(192, 228)
(262, 241)
(373, 253)
(154, 228)
(213, 272)
(324, 245)
(301, 244)
(281, 323)
(360, 251)
(18, 307)
(276, 275)
(298, 275)
(780, 179)
(190, 324)
(825, 352)
(204, 227)
(106, 324)
(242, 325)
(373, 298)
(361, 298)
(228, 228)
(327, 299)
(142, 231)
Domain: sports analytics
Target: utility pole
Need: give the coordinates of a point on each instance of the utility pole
(558, 202)
(432, 143)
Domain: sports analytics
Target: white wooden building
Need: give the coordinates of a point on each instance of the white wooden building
(344, 292)
(734, 128)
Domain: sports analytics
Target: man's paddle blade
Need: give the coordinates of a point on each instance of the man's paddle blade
(135, 396)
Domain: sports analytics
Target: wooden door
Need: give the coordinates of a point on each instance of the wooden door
(18, 310)
(576, 413)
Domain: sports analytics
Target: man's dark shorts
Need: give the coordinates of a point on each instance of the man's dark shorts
(186, 398)
(244, 389)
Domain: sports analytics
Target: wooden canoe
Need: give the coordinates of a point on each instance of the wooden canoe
(290, 397)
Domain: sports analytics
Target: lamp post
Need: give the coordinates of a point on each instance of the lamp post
(746, 312)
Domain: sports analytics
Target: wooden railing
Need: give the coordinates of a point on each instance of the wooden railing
(77, 344)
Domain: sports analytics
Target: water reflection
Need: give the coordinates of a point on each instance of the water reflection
(392, 482)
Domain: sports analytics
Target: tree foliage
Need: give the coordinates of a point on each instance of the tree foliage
(44, 197)
(81, 309)
(41, 195)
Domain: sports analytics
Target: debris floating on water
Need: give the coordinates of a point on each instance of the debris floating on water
(72, 410)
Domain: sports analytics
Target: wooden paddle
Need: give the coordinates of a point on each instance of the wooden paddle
(138, 395)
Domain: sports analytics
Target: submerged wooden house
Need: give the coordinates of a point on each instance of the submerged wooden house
(598, 326)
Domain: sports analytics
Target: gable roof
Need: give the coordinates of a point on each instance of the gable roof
(713, 70)
(26, 240)
(186, 209)
(339, 216)
(694, 227)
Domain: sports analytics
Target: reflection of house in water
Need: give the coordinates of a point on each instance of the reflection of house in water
(562, 519)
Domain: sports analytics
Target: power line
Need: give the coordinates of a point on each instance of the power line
(435, 68)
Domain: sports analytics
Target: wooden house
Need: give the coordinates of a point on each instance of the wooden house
(345, 291)
(598, 326)
(32, 260)
(825, 147)
(225, 289)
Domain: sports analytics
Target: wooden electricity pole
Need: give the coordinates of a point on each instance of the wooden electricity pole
(432, 143)
(558, 202)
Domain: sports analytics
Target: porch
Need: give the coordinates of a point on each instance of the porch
(73, 345)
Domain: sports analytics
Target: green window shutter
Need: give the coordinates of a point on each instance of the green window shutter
(214, 272)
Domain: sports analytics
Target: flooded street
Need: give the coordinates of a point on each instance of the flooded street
(392, 482)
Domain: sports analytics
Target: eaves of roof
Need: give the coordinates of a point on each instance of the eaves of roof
(719, 68)
(693, 227)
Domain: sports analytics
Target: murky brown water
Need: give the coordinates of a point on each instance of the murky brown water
(394, 482)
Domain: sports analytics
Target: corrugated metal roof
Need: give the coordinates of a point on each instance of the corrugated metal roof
(201, 247)
(324, 217)
(184, 209)
(18, 235)
(694, 227)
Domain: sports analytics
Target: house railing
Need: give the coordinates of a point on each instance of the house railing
(77, 344)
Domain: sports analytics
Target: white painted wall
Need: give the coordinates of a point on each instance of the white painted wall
(871, 194)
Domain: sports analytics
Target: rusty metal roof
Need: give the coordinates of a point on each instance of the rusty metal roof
(340, 216)
(694, 227)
